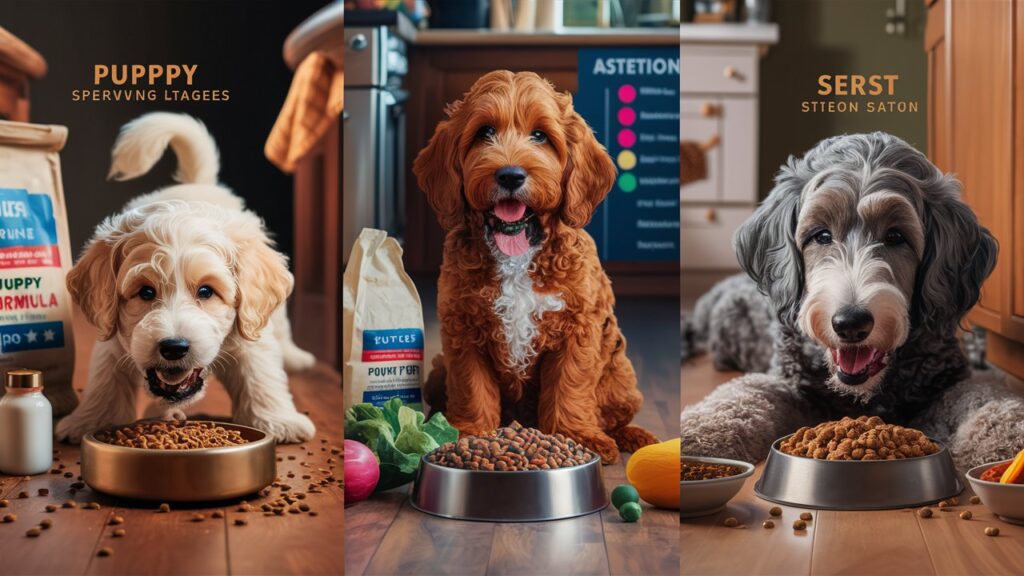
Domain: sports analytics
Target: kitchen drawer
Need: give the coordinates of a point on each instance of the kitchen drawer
(718, 69)
(705, 236)
(732, 164)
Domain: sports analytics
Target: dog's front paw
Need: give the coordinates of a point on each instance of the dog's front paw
(71, 429)
(602, 444)
(992, 432)
(287, 429)
(297, 360)
(701, 437)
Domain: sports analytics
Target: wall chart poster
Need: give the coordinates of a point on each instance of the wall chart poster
(630, 97)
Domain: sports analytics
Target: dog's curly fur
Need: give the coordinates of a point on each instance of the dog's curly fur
(927, 384)
(532, 337)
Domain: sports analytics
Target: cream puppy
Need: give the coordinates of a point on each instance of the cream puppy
(184, 283)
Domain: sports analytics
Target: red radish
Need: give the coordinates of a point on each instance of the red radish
(361, 472)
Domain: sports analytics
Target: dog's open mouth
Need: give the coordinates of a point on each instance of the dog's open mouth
(857, 364)
(173, 383)
(511, 223)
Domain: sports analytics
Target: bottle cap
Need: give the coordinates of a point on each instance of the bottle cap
(22, 378)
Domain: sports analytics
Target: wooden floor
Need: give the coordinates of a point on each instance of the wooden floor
(862, 543)
(172, 543)
(385, 535)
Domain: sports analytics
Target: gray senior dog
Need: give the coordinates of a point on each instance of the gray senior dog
(870, 261)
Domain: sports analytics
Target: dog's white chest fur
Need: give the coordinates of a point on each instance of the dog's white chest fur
(520, 308)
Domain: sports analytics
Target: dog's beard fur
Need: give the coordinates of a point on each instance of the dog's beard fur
(859, 270)
(857, 277)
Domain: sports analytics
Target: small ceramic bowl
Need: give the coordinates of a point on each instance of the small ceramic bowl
(1004, 500)
(705, 497)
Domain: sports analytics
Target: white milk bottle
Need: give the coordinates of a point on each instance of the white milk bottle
(26, 425)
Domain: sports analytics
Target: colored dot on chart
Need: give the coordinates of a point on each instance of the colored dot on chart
(627, 182)
(626, 160)
(627, 93)
(627, 116)
(627, 138)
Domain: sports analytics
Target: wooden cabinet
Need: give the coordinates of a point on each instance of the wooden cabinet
(719, 88)
(976, 127)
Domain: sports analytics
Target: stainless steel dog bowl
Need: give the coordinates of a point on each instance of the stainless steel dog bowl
(857, 485)
(520, 496)
(181, 475)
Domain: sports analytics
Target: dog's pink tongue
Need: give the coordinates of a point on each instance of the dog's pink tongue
(855, 360)
(512, 245)
(510, 210)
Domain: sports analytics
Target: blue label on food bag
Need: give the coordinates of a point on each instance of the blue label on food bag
(408, 396)
(36, 336)
(28, 230)
(393, 345)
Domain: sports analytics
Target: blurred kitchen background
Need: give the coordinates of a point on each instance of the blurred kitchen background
(747, 65)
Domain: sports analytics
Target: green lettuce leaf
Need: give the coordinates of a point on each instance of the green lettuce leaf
(399, 436)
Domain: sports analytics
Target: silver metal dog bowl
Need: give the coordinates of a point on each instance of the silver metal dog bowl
(857, 485)
(520, 496)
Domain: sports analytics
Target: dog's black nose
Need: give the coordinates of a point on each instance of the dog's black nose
(510, 178)
(173, 348)
(853, 324)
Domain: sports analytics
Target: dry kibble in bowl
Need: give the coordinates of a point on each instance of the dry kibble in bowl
(863, 438)
(175, 435)
(511, 448)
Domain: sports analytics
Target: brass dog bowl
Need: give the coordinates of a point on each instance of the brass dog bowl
(196, 475)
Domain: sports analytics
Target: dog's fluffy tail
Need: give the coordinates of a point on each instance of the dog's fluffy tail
(143, 141)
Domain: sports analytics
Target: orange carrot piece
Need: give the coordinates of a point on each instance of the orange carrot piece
(1013, 472)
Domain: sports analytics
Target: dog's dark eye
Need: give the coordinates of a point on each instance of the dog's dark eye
(894, 238)
(486, 133)
(147, 293)
(204, 293)
(824, 238)
(538, 137)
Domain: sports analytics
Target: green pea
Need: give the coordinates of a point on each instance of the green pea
(624, 493)
(630, 511)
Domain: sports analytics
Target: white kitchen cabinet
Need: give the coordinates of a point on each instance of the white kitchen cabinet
(718, 86)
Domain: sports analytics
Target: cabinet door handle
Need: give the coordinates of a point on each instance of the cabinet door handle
(710, 215)
(710, 110)
(730, 72)
(711, 143)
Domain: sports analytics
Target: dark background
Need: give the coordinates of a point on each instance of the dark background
(237, 45)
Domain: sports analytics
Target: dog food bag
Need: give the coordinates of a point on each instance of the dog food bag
(382, 326)
(35, 255)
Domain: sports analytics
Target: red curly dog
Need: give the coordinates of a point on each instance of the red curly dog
(527, 325)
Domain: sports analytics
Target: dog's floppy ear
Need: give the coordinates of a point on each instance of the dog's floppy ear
(263, 279)
(589, 171)
(92, 285)
(959, 254)
(438, 172)
(767, 249)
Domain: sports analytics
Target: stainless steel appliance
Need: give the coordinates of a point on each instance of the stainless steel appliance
(374, 127)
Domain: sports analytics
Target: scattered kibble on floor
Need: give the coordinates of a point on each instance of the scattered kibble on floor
(925, 512)
(991, 531)
(966, 515)
(799, 525)
(768, 524)
(975, 500)
(775, 511)
(731, 522)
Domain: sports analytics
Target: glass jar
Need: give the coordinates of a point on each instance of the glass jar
(26, 425)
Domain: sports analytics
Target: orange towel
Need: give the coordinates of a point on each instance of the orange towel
(315, 99)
